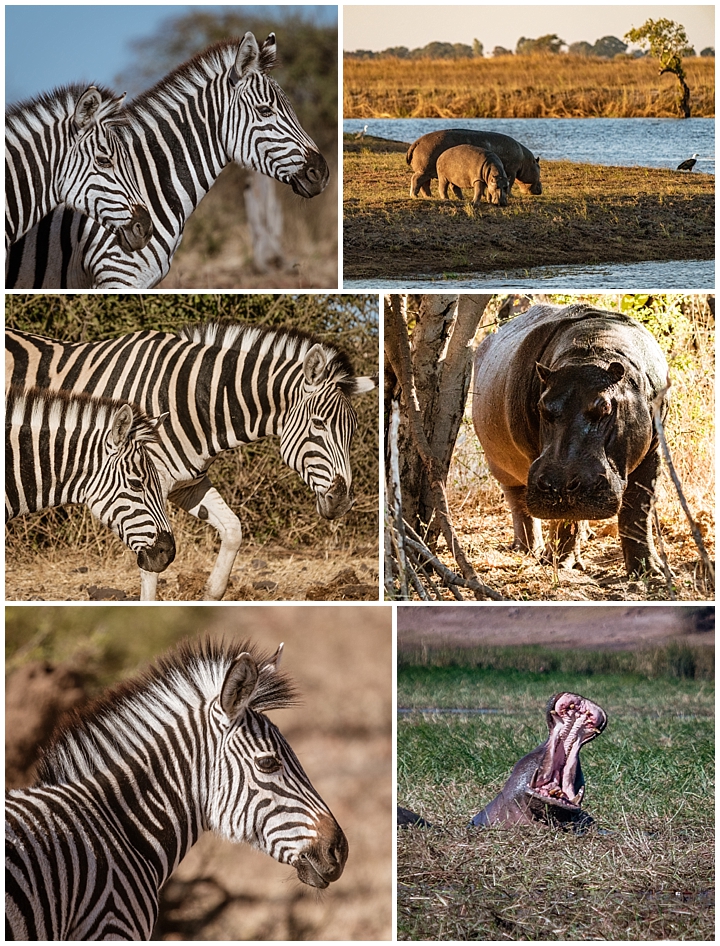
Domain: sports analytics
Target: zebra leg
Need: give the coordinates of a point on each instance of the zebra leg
(148, 585)
(202, 500)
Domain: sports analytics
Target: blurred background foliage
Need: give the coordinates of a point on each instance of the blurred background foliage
(272, 502)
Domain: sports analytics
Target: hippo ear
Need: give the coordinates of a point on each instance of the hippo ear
(616, 371)
(543, 372)
(537, 160)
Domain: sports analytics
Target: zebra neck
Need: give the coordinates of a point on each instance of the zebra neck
(30, 196)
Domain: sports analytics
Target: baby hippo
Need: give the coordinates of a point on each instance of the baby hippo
(468, 166)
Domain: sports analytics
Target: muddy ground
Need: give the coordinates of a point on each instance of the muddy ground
(261, 573)
(587, 214)
(341, 660)
(615, 628)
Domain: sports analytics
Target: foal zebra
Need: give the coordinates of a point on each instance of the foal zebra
(68, 147)
(128, 788)
(223, 386)
(69, 448)
(217, 108)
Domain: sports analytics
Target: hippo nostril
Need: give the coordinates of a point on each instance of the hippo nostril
(544, 484)
(573, 485)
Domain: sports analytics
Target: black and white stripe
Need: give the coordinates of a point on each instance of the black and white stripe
(217, 108)
(70, 448)
(128, 788)
(223, 386)
(69, 147)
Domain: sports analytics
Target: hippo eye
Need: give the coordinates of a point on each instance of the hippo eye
(547, 416)
(268, 764)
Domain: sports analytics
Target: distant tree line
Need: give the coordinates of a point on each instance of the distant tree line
(608, 47)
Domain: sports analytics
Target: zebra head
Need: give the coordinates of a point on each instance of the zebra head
(257, 789)
(262, 129)
(97, 176)
(125, 493)
(318, 430)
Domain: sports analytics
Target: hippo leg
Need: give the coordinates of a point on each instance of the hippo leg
(420, 184)
(634, 520)
(443, 185)
(457, 191)
(527, 531)
(478, 193)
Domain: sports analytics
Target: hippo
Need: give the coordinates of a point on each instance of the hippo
(519, 163)
(547, 784)
(467, 166)
(408, 819)
(563, 407)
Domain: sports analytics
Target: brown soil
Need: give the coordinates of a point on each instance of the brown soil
(615, 628)
(260, 574)
(486, 536)
(587, 214)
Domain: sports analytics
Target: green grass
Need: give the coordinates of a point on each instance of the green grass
(642, 873)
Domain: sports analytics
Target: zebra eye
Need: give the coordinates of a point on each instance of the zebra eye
(103, 161)
(318, 423)
(265, 111)
(135, 485)
(268, 763)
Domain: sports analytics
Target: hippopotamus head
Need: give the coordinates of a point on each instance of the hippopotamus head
(528, 179)
(595, 427)
(498, 188)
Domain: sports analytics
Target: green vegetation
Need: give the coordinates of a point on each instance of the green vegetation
(668, 43)
(649, 787)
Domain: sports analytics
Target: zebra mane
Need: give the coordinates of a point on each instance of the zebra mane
(59, 407)
(205, 65)
(190, 674)
(291, 342)
(60, 103)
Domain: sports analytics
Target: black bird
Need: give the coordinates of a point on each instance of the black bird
(689, 164)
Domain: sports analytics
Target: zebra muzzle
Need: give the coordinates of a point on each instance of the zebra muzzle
(324, 861)
(136, 235)
(158, 556)
(312, 179)
(337, 501)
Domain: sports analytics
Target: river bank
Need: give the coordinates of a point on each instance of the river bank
(586, 214)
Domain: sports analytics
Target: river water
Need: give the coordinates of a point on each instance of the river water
(643, 142)
(689, 275)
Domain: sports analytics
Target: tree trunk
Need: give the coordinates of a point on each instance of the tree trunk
(265, 218)
(442, 356)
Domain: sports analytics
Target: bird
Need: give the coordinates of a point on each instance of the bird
(361, 134)
(689, 164)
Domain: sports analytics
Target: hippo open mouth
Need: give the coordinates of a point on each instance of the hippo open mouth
(573, 721)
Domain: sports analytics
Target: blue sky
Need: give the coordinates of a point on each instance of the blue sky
(49, 46)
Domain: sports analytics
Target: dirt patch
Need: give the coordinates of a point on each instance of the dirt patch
(616, 628)
(587, 214)
(261, 573)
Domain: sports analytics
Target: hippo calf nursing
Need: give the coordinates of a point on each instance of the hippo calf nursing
(466, 166)
(518, 162)
(547, 784)
(563, 407)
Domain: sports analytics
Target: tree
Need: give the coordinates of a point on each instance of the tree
(477, 48)
(550, 43)
(580, 49)
(708, 51)
(501, 51)
(668, 43)
(428, 366)
(608, 47)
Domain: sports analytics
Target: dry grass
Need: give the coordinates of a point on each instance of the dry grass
(586, 214)
(483, 520)
(522, 87)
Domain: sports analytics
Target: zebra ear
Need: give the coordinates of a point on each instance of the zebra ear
(363, 385)
(160, 419)
(314, 365)
(268, 53)
(247, 59)
(274, 661)
(87, 107)
(121, 423)
(239, 686)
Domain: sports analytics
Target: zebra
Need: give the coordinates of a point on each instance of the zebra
(217, 108)
(223, 386)
(128, 787)
(69, 147)
(70, 448)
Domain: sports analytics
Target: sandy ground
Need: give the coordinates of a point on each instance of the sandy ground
(616, 627)
(260, 574)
